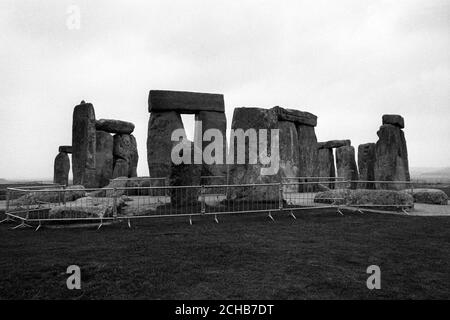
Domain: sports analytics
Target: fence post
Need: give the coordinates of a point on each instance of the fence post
(203, 199)
(7, 199)
(114, 203)
(280, 195)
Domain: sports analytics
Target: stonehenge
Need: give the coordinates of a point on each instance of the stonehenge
(391, 154)
(101, 150)
(266, 146)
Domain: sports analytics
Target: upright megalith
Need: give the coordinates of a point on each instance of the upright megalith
(161, 125)
(125, 148)
(289, 154)
(84, 145)
(104, 158)
(214, 124)
(115, 126)
(325, 165)
(391, 153)
(61, 169)
(346, 165)
(247, 132)
(366, 165)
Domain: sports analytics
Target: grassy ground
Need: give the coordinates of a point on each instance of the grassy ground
(316, 256)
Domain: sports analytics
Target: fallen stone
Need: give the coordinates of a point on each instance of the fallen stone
(159, 143)
(391, 156)
(66, 149)
(373, 199)
(184, 102)
(394, 119)
(366, 165)
(296, 116)
(51, 195)
(346, 165)
(61, 169)
(84, 145)
(333, 144)
(429, 196)
(114, 126)
(104, 160)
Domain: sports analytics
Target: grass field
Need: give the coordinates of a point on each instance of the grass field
(317, 256)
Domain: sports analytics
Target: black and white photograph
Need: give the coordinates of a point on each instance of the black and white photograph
(231, 158)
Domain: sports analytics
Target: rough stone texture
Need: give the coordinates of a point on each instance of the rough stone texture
(125, 148)
(66, 149)
(308, 154)
(366, 165)
(326, 165)
(71, 193)
(61, 169)
(212, 120)
(289, 153)
(394, 119)
(333, 144)
(115, 126)
(346, 165)
(430, 196)
(84, 145)
(104, 160)
(121, 168)
(296, 116)
(185, 175)
(247, 118)
(385, 199)
(391, 156)
(159, 144)
(185, 102)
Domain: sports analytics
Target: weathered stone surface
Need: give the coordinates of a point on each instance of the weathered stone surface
(61, 169)
(333, 144)
(394, 119)
(308, 151)
(251, 173)
(326, 165)
(121, 168)
(71, 193)
(429, 196)
(84, 145)
(212, 120)
(125, 147)
(346, 165)
(289, 154)
(66, 149)
(115, 126)
(391, 157)
(185, 174)
(366, 165)
(104, 160)
(159, 143)
(184, 102)
(297, 116)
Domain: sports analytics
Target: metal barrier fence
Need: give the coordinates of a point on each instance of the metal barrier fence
(60, 204)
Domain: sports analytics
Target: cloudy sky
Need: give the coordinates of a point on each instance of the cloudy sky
(348, 62)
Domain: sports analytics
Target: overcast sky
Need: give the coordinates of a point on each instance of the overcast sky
(348, 62)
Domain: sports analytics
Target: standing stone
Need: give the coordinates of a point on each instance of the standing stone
(104, 158)
(159, 143)
(61, 169)
(121, 168)
(346, 165)
(185, 174)
(84, 145)
(125, 148)
(308, 152)
(115, 126)
(366, 165)
(326, 165)
(289, 154)
(212, 120)
(251, 173)
(391, 157)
